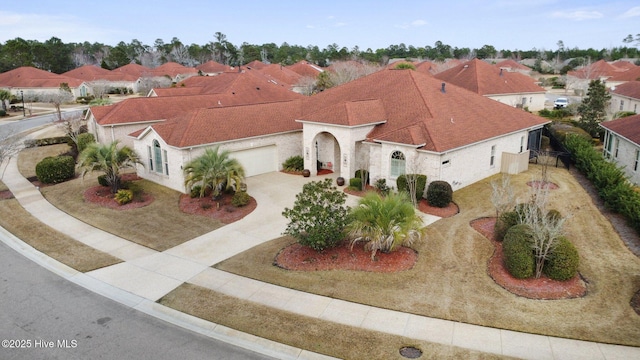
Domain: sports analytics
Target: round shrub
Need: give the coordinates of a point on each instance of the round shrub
(439, 194)
(421, 184)
(240, 198)
(102, 180)
(85, 139)
(355, 183)
(55, 169)
(554, 215)
(517, 251)
(563, 262)
(504, 222)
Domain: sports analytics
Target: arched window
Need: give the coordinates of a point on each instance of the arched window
(158, 159)
(397, 164)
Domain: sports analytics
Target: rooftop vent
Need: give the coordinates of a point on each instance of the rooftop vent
(443, 88)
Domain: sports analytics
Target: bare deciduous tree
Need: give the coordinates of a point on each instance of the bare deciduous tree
(61, 96)
(100, 88)
(546, 229)
(411, 175)
(344, 72)
(503, 197)
(72, 127)
(306, 85)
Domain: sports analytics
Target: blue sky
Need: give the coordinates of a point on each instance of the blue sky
(504, 24)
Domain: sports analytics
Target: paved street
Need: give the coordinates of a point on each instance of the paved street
(43, 309)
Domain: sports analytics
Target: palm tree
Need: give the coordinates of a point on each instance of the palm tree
(108, 159)
(384, 223)
(214, 170)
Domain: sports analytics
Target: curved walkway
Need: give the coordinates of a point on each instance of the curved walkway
(146, 275)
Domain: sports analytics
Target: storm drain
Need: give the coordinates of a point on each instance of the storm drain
(410, 352)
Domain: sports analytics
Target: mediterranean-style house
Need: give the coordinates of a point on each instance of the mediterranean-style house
(499, 84)
(625, 97)
(32, 81)
(622, 145)
(390, 122)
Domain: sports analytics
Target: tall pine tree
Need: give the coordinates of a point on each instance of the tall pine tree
(592, 110)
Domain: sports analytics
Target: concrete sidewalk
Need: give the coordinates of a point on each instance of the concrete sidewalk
(146, 275)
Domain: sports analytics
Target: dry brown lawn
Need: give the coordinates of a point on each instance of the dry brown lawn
(160, 225)
(450, 279)
(56, 245)
(341, 341)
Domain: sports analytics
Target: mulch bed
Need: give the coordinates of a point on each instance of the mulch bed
(101, 195)
(220, 209)
(303, 258)
(423, 205)
(6, 194)
(539, 289)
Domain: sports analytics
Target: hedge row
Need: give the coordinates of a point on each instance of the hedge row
(609, 180)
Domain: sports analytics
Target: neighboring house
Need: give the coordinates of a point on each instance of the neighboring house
(622, 145)
(511, 88)
(32, 81)
(625, 97)
(306, 69)
(248, 86)
(174, 71)
(513, 66)
(104, 79)
(599, 70)
(212, 68)
(391, 122)
(631, 74)
(281, 76)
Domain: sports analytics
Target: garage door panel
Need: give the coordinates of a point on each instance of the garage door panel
(258, 160)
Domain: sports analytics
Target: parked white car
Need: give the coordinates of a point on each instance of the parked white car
(561, 103)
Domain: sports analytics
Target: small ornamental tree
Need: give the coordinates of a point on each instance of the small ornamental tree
(318, 216)
(592, 110)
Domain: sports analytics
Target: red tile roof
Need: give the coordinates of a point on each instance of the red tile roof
(629, 89)
(513, 65)
(207, 126)
(211, 67)
(628, 127)
(632, 74)
(280, 75)
(426, 67)
(172, 69)
(418, 112)
(249, 86)
(598, 69)
(485, 79)
(256, 64)
(30, 77)
(94, 73)
(305, 68)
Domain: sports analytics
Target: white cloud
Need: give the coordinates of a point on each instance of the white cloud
(633, 12)
(577, 15)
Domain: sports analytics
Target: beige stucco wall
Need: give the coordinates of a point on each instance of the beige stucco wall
(533, 101)
(624, 103)
(626, 157)
(288, 144)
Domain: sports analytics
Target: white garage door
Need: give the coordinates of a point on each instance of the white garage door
(257, 161)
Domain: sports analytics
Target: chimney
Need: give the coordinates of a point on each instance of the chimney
(443, 89)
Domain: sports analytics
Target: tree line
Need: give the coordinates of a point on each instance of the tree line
(56, 56)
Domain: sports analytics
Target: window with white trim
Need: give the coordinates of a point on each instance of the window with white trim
(608, 143)
(157, 158)
(398, 163)
(493, 156)
(621, 105)
(521, 143)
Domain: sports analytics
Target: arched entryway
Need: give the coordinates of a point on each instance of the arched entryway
(325, 154)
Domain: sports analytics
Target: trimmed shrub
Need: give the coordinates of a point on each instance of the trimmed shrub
(360, 174)
(421, 184)
(504, 222)
(102, 180)
(355, 183)
(240, 198)
(439, 194)
(123, 196)
(55, 169)
(563, 262)
(554, 215)
(85, 139)
(294, 163)
(517, 251)
(383, 188)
